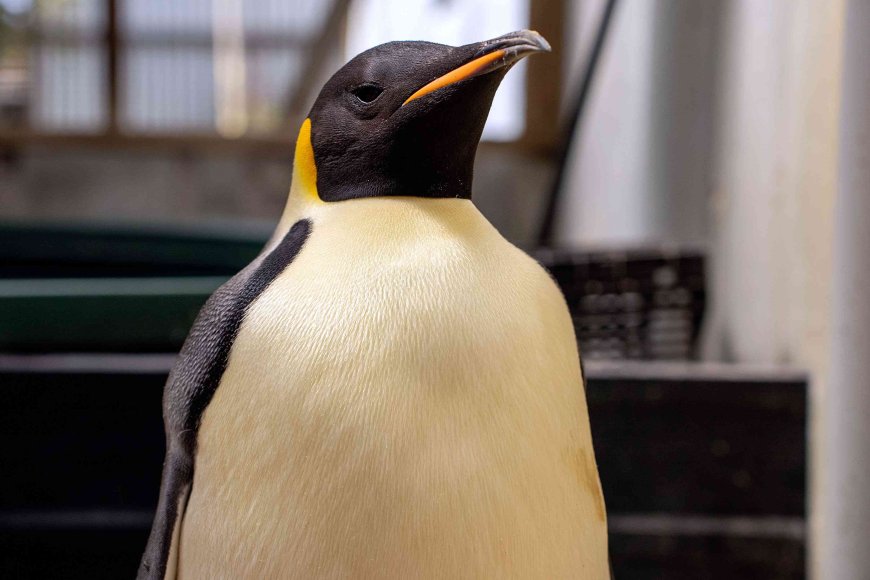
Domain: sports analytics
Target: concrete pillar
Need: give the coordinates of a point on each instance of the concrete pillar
(684, 71)
(752, 197)
(775, 189)
(845, 548)
(641, 163)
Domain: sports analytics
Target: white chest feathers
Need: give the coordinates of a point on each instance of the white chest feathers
(403, 401)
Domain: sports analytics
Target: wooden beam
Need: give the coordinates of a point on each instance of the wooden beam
(544, 76)
(113, 49)
(277, 145)
(168, 39)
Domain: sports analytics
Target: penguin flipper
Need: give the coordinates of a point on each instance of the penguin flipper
(190, 387)
(160, 559)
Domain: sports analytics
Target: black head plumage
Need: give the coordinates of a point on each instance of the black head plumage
(405, 118)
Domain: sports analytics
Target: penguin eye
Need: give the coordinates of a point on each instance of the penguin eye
(367, 92)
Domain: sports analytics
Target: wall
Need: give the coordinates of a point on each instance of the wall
(147, 185)
(775, 195)
(717, 122)
(845, 456)
(641, 165)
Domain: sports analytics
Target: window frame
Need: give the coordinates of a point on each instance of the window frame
(543, 89)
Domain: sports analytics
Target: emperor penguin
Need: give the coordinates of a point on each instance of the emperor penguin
(390, 389)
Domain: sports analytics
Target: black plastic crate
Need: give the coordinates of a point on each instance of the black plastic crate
(644, 304)
(703, 466)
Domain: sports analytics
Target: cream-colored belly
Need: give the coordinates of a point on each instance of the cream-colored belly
(404, 401)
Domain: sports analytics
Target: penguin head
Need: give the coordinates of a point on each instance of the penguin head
(405, 118)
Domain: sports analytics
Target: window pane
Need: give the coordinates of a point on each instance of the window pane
(14, 69)
(167, 88)
(68, 88)
(174, 78)
(271, 74)
(300, 18)
(57, 81)
(79, 18)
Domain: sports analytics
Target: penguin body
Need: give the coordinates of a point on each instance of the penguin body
(391, 390)
(364, 428)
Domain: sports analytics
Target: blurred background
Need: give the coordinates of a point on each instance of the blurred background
(694, 173)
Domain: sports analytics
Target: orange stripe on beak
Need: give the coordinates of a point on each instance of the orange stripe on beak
(466, 71)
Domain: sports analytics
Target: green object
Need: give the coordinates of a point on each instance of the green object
(110, 287)
(133, 250)
(100, 314)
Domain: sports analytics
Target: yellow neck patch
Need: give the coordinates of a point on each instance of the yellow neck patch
(304, 168)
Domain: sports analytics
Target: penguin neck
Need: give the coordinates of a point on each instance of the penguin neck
(302, 206)
(303, 185)
(307, 192)
(301, 202)
(410, 181)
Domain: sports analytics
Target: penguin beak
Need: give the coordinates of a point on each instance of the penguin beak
(489, 55)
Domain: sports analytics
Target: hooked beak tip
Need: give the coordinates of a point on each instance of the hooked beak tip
(498, 53)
